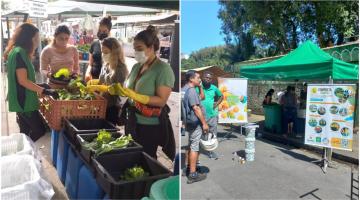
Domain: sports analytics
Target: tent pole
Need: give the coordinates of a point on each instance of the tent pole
(328, 153)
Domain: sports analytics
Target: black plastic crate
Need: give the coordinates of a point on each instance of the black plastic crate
(109, 169)
(87, 154)
(74, 127)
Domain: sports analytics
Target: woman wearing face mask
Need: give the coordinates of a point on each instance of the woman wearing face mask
(149, 86)
(22, 89)
(113, 71)
(59, 54)
(95, 60)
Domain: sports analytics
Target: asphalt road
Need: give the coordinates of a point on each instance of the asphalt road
(278, 172)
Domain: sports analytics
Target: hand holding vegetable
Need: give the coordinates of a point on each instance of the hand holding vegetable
(98, 88)
(117, 89)
(93, 82)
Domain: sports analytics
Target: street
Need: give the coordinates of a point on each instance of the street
(278, 172)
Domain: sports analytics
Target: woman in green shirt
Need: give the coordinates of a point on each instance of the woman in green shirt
(22, 88)
(148, 86)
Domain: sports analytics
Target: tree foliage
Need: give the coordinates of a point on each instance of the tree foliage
(276, 27)
(257, 29)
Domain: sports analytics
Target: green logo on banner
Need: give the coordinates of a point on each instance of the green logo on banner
(318, 139)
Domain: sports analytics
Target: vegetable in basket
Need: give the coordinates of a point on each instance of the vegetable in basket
(134, 173)
(104, 143)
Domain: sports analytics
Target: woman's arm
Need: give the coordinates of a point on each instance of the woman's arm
(268, 99)
(45, 62)
(76, 68)
(162, 95)
(21, 75)
(88, 70)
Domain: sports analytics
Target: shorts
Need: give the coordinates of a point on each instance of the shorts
(212, 122)
(290, 115)
(194, 137)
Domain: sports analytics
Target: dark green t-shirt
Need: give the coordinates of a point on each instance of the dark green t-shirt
(159, 74)
(211, 94)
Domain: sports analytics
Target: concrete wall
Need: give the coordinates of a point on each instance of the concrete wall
(258, 89)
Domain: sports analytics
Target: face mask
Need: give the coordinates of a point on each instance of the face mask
(140, 57)
(102, 35)
(106, 58)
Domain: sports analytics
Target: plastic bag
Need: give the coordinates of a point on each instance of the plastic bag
(20, 179)
(17, 143)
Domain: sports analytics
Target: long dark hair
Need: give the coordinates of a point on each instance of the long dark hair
(149, 37)
(22, 37)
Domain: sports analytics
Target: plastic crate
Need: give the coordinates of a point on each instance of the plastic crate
(74, 127)
(54, 111)
(17, 143)
(88, 154)
(110, 167)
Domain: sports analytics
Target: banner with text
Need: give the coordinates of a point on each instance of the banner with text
(330, 115)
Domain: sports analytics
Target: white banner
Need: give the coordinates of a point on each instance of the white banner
(330, 115)
(233, 109)
(38, 8)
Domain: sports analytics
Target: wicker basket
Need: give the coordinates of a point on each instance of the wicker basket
(54, 111)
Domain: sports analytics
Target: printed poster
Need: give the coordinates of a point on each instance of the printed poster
(330, 116)
(233, 109)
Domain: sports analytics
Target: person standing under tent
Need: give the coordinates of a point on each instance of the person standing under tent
(59, 54)
(268, 97)
(22, 88)
(114, 70)
(148, 88)
(95, 58)
(211, 97)
(288, 102)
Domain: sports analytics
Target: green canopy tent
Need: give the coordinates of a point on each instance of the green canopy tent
(307, 62)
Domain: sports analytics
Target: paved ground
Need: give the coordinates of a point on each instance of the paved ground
(278, 172)
(10, 126)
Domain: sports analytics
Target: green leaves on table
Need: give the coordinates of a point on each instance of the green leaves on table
(104, 143)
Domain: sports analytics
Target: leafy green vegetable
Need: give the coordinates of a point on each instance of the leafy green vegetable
(76, 90)
(104, 143)
(103, 137)
(134, 173)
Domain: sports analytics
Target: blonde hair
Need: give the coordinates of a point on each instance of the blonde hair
(116, 52)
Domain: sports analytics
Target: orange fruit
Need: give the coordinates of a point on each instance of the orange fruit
(235, 109)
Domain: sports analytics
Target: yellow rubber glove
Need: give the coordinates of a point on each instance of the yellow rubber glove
(93, 82)
(98, 88)
(117, 89)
